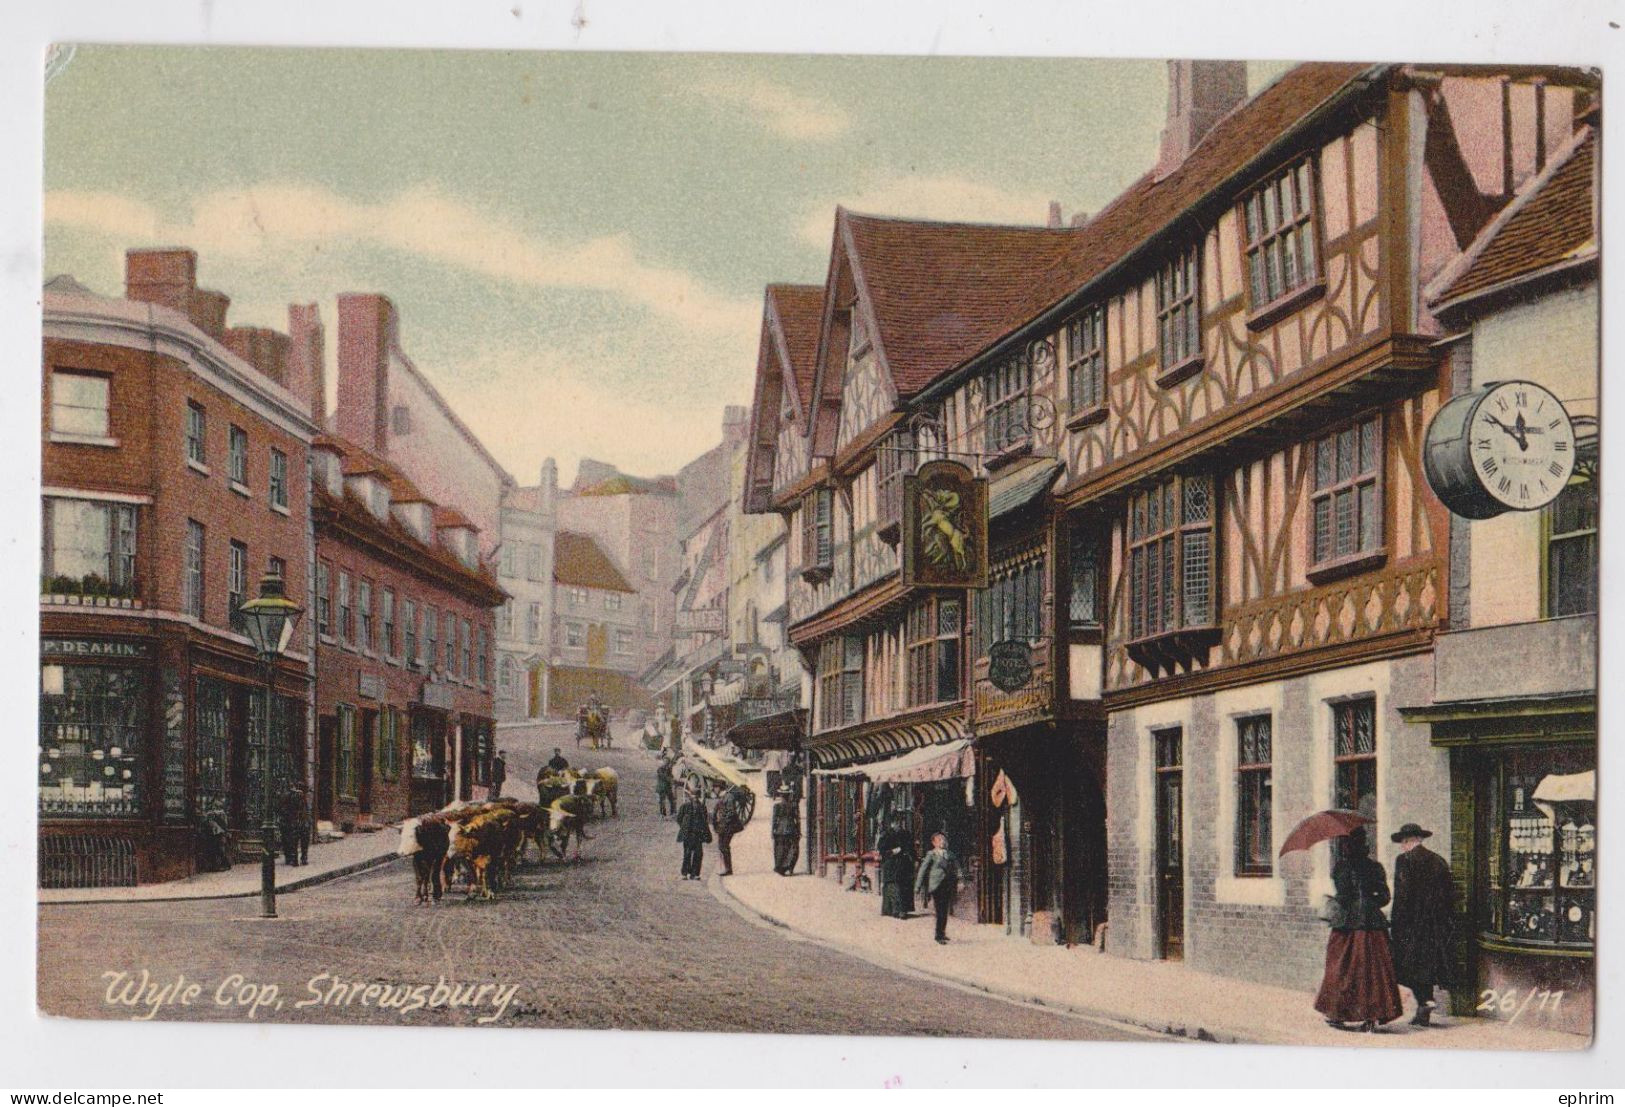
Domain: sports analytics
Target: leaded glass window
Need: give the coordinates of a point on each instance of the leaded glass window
(92, 725)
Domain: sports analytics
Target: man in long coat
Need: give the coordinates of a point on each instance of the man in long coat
(1422, 916)
(786, 832)
(693, 831)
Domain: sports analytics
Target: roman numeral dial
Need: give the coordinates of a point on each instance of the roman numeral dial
(1520, 444)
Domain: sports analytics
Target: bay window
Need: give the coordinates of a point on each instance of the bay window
(88, 547)
(1171, 557)
(1011, 607)
(931, 642)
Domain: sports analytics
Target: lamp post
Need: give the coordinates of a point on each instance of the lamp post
(269, 620)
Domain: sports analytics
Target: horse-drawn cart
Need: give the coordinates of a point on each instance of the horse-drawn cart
(713, 768)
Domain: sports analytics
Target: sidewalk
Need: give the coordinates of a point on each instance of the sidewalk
(328, 861)
(1156, 995)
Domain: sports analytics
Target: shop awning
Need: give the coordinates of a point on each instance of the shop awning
(1569, 788)
(949, 761)
(1020, 489)
(724, 694)
(895, 740)
(782, 730)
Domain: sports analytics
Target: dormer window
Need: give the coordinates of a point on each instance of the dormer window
(1179, 318)
(378, 499)
(414, 515)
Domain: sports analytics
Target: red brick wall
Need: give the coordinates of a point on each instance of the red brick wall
(339, 666)
(147, 416)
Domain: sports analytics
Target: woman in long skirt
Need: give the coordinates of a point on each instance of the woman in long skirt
(1359, 990)
(897, 869)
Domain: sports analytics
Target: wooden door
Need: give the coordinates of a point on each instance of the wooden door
(1170, 842)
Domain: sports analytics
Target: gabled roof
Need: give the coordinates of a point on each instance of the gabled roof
(451, 517)
(1552, 220)
(939, 292)
(580, 561)
(799, 308)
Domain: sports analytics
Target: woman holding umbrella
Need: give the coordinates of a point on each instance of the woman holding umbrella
(1359, 990)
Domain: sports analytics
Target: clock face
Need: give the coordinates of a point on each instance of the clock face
(1522, 445)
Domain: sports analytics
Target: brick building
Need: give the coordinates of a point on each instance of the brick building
(175, 474)
(404, 616)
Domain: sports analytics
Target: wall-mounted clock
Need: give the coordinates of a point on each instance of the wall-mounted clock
(1508, 446)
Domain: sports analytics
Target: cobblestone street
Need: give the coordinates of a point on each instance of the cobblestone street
(614, 941)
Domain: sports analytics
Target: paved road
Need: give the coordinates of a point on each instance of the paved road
(616, 940)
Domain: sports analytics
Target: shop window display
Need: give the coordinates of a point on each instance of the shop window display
(90, 757)
(1543, 862)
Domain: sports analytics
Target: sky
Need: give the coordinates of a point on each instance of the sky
(576, 243)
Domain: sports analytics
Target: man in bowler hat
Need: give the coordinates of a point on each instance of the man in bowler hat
(1421, 918)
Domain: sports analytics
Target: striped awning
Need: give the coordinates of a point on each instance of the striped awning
(849, 752)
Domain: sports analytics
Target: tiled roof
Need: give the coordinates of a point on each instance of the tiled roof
(942, 291)
(355, 462)
(451, 517)
(800, 309)
(1552, 222)
(394, 534)
(978, 284)
(580, 561)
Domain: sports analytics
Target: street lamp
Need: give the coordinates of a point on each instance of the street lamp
(269, 619)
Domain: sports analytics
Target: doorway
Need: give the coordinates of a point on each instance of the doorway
(326, 729)
(1169, 745)
(369, 738)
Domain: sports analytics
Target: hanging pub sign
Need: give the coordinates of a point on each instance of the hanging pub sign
(1009, 665)
(944, 527)
(1508, 446)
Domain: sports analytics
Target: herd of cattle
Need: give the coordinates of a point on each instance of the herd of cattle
(482, 843)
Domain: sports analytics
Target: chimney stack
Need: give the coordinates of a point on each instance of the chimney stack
(167, 276)
(1054, 215)
(307, 371)
(1079, 218)
(1200, 93)
(367, 334)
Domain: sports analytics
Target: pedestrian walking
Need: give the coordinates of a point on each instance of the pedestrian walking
(499, 774)
(1359, 991)
(728, 819)
(693, 831)
(896, 848)
(293, 825)
(213, 841)
(786, 832)
(557, 763)
(938, 880)
(1423, 917)
(666, 788)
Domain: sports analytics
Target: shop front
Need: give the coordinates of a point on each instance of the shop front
(920, 776)
(142, 739)
(1523, 774)
(430, 731)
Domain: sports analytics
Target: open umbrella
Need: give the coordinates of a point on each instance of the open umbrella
(1321, 826)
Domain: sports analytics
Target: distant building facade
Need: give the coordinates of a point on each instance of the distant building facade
(596, 629)
(524, 622)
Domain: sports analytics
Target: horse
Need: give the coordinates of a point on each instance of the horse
(592, 723)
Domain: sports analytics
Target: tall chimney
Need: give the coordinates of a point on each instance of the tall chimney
(307, 371)
(367, 326)
(550, 488)
(735, 424)
(1200, 93)
(1054, 215)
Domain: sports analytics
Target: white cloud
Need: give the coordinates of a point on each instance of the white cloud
(294, 220)
(946, 198)
(526, 404)
(780, 110)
